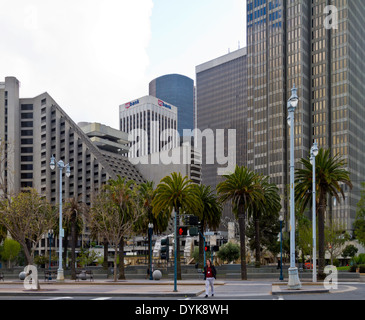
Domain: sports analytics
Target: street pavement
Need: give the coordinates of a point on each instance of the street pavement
(186, 290)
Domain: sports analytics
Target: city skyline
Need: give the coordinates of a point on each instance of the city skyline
(111, 52)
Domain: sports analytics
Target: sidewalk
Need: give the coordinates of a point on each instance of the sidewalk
(281, 288)
(125, 288)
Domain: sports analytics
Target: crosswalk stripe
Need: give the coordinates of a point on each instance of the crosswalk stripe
(59, 298)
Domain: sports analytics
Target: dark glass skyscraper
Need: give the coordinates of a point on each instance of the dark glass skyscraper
(291, 42)
(179, 91)
(221, 86)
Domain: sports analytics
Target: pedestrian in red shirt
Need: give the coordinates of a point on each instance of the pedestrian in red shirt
(209, 275)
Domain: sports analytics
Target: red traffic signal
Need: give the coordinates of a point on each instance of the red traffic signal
(182, 231)
(206, 248)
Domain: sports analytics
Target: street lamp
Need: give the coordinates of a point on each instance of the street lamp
(61, 165)
(50, 236)
(314, 153)
(294, 282)
(281, 219)
(150, 233)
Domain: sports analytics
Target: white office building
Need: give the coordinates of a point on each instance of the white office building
(151, 124)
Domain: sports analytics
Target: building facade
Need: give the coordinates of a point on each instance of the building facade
(221, 104)
(179, 91)
(36, 128)
(152, 124)
(317, 46)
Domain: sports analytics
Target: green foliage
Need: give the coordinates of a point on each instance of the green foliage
(87, 257)
(210, 212)
(41, 260)
(10, 250)
(330, 176)
(360, 259)
(27, 218)
(359, 224)
(265, 225)
(242, 188)
(175, 193)
(195, 254)
(229, 252)
(349, 251)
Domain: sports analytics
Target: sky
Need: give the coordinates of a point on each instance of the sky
(92, 56)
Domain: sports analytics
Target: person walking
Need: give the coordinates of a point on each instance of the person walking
(209, 275)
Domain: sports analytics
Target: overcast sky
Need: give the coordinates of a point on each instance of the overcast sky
(91, 56)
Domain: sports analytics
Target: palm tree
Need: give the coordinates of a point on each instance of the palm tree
(330, 174)
(209, 215)
(73, 214)
(146, 194)
(123, 197)
(270, 205)
(244, 190)
(175, 193)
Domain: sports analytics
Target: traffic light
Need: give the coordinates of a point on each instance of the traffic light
(182, 231)
(193, 220)
(207, 247)
(165, 249)
(193, 231)
(215, 248)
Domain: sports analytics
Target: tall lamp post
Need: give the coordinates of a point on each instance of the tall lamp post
(314, 153)
(175, 252)
(61, 165)
(50, 236)
(150, 233)
(294, 282)
(281, 219)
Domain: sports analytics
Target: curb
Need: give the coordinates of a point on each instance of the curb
(100, 294)
(307, 288)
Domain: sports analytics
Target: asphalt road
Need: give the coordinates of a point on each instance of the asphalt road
(232, 290)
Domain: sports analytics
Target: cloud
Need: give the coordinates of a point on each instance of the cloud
(90, 56)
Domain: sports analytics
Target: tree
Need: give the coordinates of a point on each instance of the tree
(229, 252)
(336, 236)
(243, 189)
(266, 209)
(113, 214)
(359, 224)
(304, 235)
(175, 193)
(350, 251)
(27, 218)
(124, 196)
(10, 250)
(210, 213)
(330, 174)
(74, 211)
(145, 197)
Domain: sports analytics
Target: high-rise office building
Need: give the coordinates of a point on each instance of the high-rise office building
(33, 130)
(298, 42)
(177, 90)
(221, 91)
(153, 117)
